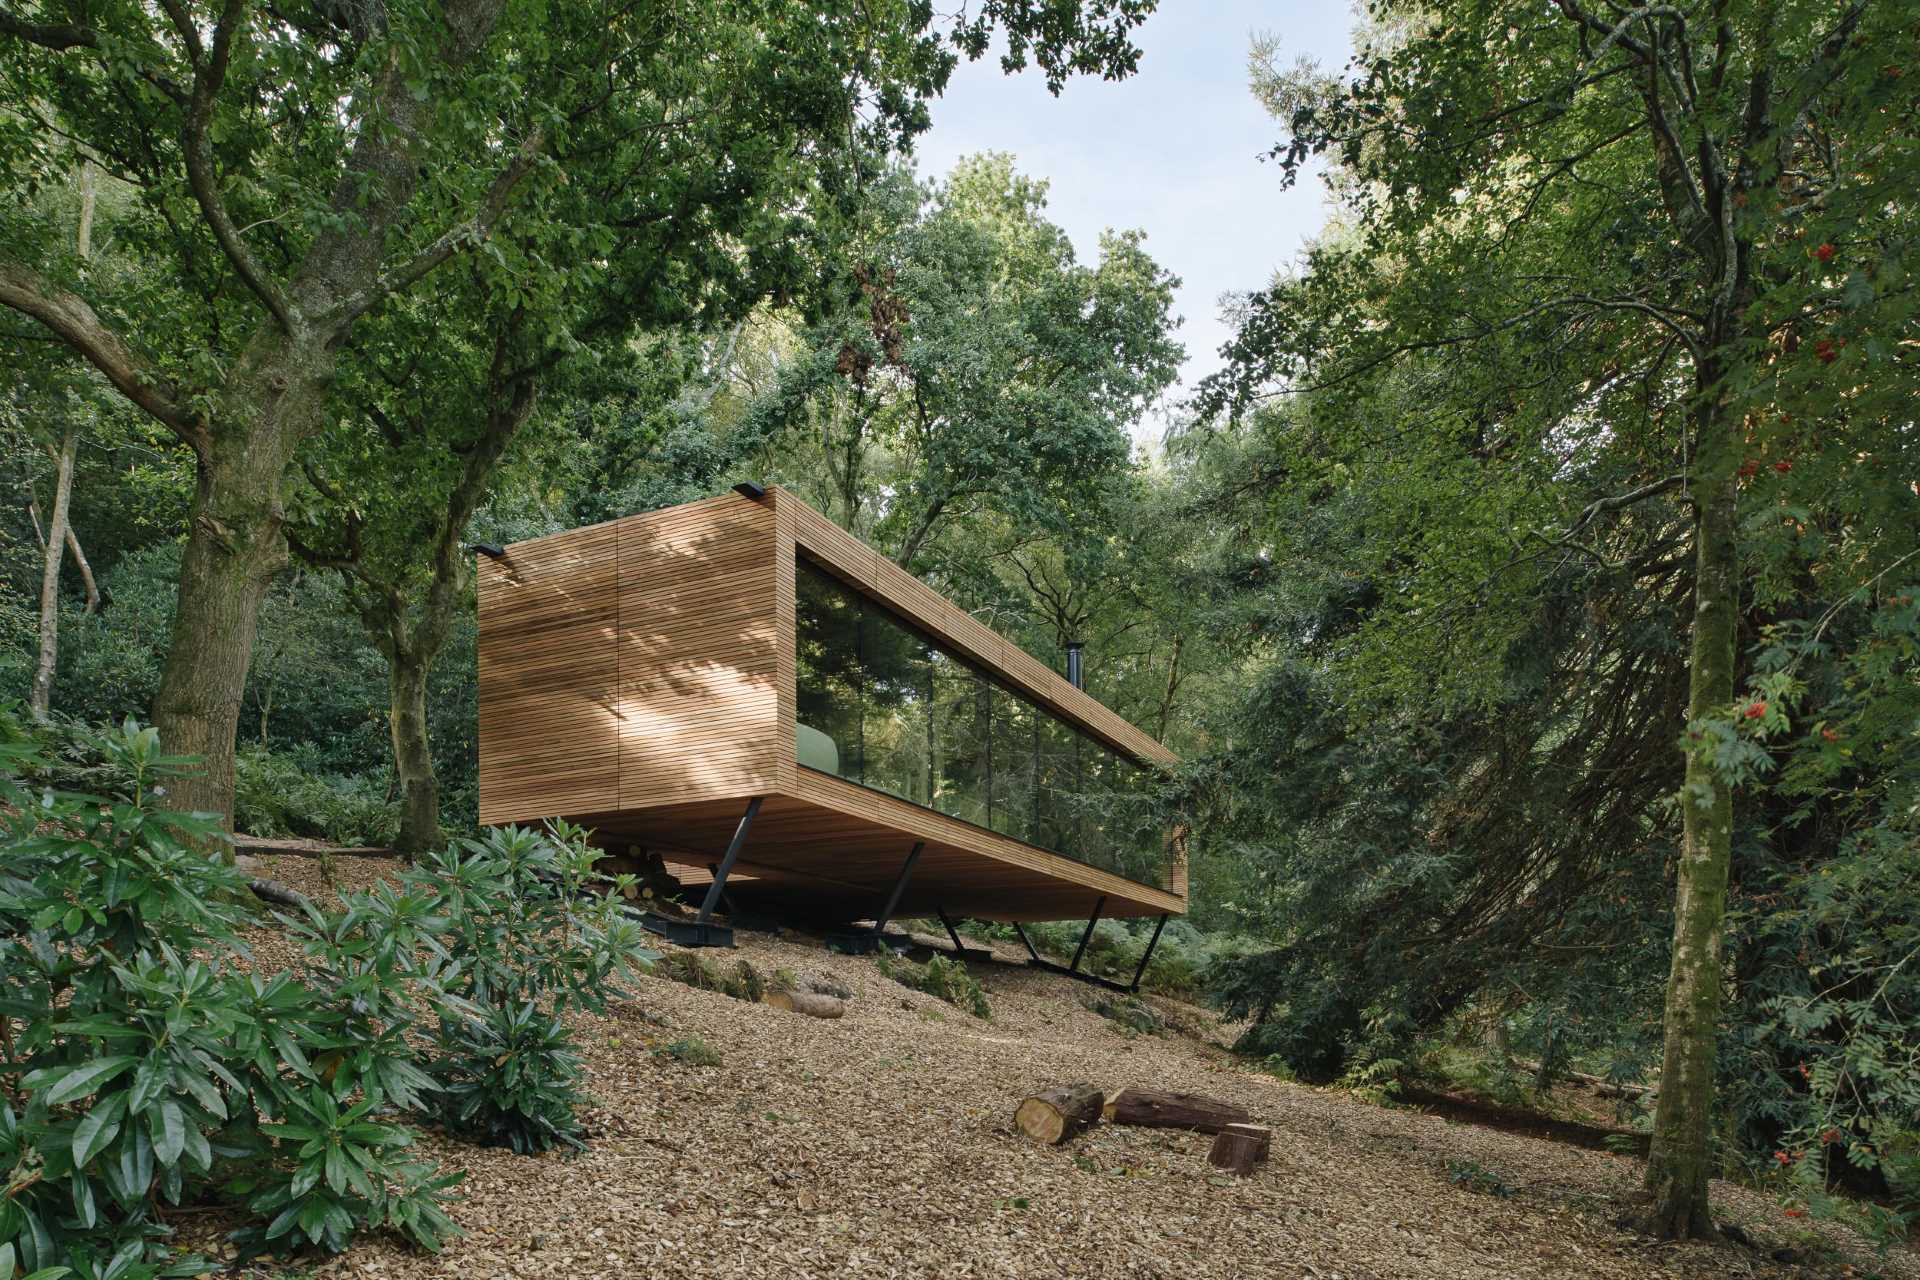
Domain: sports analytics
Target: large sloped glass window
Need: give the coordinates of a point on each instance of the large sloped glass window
(1014, 727)
(879, 703)
(1056, 784)
(1099, 778)
(961, 741)
(1137, 844)
(830, 678)
(896, 723)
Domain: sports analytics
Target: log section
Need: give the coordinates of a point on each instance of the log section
(1239, 1147)
(810, 1003)
(1155, 1109)
(1055, 1115)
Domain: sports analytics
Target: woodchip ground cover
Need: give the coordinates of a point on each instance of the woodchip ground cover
(881, 1144)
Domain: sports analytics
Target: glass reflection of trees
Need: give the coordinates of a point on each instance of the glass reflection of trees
(908, 718)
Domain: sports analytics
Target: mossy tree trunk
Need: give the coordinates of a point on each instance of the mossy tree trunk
(1679, 1164)
(413, 753)
(408, 589)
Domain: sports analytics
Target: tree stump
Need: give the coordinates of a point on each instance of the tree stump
(811, 1003)
(1239, 1147)
(1055, 1115)
(1155, 1109)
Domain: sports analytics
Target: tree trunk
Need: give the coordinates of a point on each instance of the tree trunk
(1679, 1162)
(40, 699)
(86, 570)
(1059, 1114)
(236, 544)
(412, 754)
(245, 434)
(1155, 1109)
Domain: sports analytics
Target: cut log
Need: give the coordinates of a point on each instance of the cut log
(1055, 1115)
(1155, 1109)
(1239, 1147)
(811, 1003)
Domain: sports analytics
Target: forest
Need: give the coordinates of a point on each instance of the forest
(1529, 592)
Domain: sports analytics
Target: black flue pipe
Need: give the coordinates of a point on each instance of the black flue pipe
(1074, 674)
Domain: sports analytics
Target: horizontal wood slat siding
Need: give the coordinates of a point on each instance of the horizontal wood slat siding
(887, 582)
(699, 646)
(548, 615)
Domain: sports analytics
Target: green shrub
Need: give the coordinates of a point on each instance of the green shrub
(1129, 1013)
(1178, 965)
(511, 1077)
(1474, 1176)
(941, 978)
(148, 1070)
(743, 983)
(690, 969)
(527, 935)
(287, 794)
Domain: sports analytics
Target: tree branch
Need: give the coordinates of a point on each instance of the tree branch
(1620, 501)
(209, 76)
(473, 231)
(1644, 308)
(57, 37)
(62, 37)
(70, 318)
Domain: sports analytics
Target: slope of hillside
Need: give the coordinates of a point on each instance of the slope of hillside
(881, 1145)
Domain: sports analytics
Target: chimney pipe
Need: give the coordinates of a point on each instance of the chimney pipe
(1074, 675)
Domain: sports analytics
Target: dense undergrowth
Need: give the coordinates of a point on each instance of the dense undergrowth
(144, 1065)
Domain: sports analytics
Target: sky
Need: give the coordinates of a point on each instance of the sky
(1173, 150)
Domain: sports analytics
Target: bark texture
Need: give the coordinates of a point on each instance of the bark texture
(1239, 1147)
(40, 698)
(1678, 1167)
(413, 754)
(91, 587)
(1156, 1109)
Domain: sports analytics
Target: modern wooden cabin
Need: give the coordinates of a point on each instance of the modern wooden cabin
(769, 703)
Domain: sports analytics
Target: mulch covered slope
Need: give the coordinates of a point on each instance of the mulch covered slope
(881, 1145)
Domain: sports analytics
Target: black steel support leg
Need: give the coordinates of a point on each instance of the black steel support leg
(952, 932)
(702, 932)
(1100, 904)
(726, 903)
(899, 887)
(1147, 955)
(734, 846)
(1073, 970)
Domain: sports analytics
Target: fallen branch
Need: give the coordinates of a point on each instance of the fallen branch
(284, 895)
